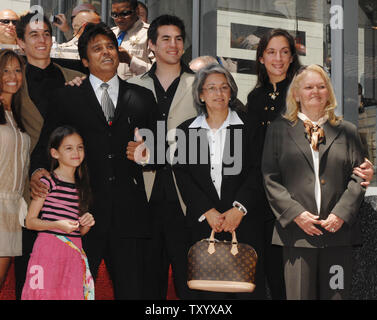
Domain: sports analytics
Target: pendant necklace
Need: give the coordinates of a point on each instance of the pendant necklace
(273, 95)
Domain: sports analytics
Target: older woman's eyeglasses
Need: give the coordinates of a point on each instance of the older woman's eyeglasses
(123, 14)
(214, 89)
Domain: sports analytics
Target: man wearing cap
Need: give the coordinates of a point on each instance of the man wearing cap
(8, 19)
(131, 33)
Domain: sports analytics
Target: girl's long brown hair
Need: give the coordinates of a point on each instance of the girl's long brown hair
(81, 173)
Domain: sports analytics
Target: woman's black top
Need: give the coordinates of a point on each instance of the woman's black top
(264, 105)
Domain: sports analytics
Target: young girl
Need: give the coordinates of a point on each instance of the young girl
(58, 268)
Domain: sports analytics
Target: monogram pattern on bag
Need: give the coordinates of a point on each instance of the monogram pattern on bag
(221, 265)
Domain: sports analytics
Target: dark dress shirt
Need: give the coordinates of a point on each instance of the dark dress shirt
(264, 105)
(163, 187)
(42, 83)
(165, 98)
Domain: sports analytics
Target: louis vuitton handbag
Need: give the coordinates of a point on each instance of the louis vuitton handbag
(221, 266)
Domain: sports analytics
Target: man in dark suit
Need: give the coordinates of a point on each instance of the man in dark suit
(119, 200)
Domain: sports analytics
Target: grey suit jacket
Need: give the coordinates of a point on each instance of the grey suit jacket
(289, 181)
(181, 109)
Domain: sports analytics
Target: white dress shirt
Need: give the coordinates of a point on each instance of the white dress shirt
(216, 140)
(315, 155)
(113, 89)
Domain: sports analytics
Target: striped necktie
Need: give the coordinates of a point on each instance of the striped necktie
(107, 104)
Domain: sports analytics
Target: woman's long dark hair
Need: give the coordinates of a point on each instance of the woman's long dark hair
(5, 56)
(263, 78)
(81, 173)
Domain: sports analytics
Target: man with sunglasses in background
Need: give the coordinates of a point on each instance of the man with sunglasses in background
(8, 19)
(131, 33)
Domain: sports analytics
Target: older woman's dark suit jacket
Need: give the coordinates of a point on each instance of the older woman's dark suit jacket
(199, 193)
(289, 182)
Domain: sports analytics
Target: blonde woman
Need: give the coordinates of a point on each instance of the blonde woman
(308, 160)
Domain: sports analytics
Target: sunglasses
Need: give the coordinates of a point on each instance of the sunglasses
(123, 14)
(8, 21)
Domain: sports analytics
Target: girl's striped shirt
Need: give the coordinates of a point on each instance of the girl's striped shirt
(61, 203)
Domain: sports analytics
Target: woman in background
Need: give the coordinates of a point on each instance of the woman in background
(277, 62)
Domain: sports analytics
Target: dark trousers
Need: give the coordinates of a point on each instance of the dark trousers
(124, 259)
(273, 263)
(318, 273)
(168, 246)
(21, 262)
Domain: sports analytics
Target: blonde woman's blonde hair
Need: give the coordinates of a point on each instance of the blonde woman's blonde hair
(293, 106)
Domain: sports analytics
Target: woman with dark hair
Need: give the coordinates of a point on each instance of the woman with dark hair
(277, 62)
(14, 159)
(217, 179)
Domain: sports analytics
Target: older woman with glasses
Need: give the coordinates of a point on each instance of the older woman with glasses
(308, 160)
(216, 177)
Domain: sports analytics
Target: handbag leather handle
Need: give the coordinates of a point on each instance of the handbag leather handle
(211, 246)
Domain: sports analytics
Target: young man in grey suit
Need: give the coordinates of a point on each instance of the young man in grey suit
(171, 82)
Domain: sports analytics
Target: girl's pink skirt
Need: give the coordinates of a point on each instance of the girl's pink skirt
(55, 270)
